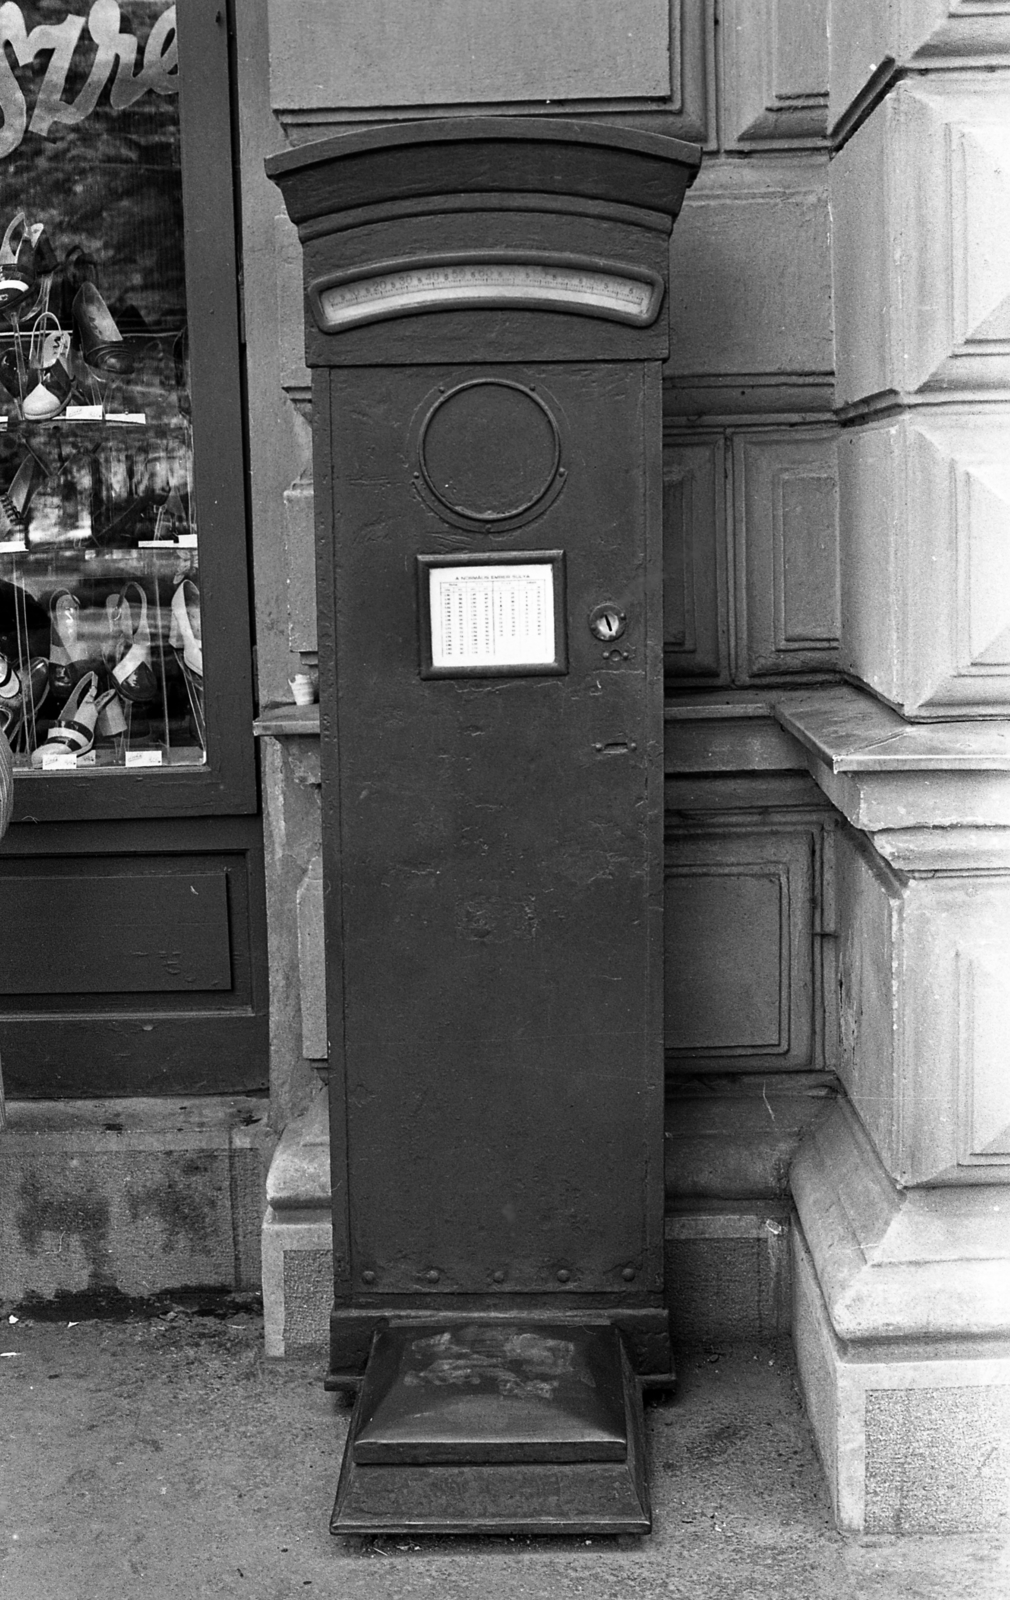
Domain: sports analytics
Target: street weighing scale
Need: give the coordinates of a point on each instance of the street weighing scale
(486, 324)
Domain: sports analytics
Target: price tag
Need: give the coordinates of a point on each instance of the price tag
(58, 761)
(143, 758)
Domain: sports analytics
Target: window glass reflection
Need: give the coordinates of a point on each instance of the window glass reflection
(101, 656)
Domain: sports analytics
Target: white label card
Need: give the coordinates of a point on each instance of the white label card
(485, 616)
(58, 761)
(143, 758)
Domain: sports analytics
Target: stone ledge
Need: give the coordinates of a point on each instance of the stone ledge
(80, 1126)
(287, 722)
(929, 1268)
(889, 775)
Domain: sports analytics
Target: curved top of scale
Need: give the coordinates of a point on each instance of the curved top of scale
(611, 164)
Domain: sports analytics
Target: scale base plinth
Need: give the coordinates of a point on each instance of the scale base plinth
(644, 1328)
(510, 1427)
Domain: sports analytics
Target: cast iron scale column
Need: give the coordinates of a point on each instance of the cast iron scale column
(486, 325)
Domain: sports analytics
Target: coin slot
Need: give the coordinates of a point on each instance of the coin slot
(607, 622)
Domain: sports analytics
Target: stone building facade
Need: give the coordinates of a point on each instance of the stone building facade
(837, 414)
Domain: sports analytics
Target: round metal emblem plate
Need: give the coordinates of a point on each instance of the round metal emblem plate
(490, 452)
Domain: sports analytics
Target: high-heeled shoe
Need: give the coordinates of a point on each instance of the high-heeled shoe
(12, 370)
(17, 263)
(14, 502)
(66, 650)
(85, 713)
(185, 633)
(21, 708)
(26, 259)
(131, 654)
(10, 683)
(102, 344)
(171, 525)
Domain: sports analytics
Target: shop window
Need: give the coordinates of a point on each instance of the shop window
(119, 394)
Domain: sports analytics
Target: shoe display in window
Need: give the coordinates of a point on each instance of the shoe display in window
(24, 624)
(17, 263)
(50, 379)
(12, 368)
(26, 257)
(10, 683)
(86, 713)
(14, 502)
(172, 525)
(67, 649)
(20, 710)
(102, 345)
(186, 636)
(131, 656)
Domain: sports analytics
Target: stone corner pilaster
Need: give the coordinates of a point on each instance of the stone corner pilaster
(902, 1250)
(901, 1324)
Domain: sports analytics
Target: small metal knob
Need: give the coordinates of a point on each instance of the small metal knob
(564, 1275)
(368, 1277)
(628, 1274)
(432, 1276)
(499, 1277)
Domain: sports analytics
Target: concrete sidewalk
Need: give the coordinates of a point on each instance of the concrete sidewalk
(166, 1458)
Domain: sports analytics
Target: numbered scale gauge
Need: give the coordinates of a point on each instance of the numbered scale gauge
(588, 289)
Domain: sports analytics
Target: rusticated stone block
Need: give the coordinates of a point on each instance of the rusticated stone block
(924, 1014)
(900, 1322)
(750, 287)
(925, 519)
(920, 200)
(728, 1273)
(910, 1443)
(871, 40)
(774, 73)
(128, 1198)
(786, 516)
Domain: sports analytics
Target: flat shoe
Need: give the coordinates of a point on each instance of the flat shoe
(54, 380)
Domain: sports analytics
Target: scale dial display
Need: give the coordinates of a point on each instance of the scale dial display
(400, 291)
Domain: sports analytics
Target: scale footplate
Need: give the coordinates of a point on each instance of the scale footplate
(503, 1426)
